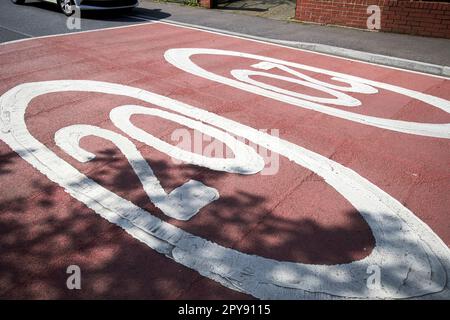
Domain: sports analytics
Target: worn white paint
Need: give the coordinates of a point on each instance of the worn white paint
(181, 58)
(341, 98)
(414, 261)
(182, 203)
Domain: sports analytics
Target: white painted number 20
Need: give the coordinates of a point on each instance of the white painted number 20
(414, 260)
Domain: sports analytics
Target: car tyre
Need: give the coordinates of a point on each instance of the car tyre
(67, 7)
(127, 11)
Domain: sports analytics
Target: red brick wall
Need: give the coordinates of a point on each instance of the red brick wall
(402, 16)
(207, 3)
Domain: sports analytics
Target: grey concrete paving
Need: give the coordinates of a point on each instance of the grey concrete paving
(429, 50)
(272, 9)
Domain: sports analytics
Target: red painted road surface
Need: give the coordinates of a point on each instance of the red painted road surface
(293, 215)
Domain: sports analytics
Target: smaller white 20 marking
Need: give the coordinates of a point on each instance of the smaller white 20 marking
(181, 58)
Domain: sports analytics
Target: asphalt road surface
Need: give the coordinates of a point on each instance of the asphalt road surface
(174, 163)
(36, 18)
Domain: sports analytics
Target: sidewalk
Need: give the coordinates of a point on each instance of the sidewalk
(422, 49)
(273, 9)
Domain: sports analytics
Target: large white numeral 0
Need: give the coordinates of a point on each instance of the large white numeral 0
(181, 58)
(414, 261)
(245, 161)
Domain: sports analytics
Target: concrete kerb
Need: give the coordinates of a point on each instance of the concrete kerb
(389, 61)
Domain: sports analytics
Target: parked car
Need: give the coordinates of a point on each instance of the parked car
(68, 6)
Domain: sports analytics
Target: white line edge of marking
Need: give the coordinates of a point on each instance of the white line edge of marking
(16, 31)
(76, 32)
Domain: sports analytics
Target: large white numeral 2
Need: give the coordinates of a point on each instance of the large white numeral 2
(182, 203)
(185, 201)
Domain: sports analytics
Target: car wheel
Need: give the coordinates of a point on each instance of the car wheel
(66, 7)
(18, 1)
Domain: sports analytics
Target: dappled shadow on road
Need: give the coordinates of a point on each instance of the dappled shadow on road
(6, 160)
(43, 234)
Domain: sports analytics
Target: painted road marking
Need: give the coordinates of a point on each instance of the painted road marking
(396, 230)
(181, 58)
(246, 160)
(417, 259)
